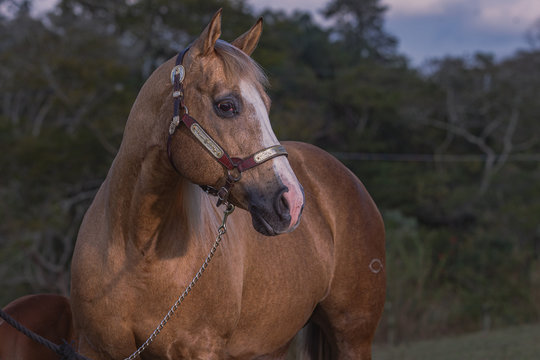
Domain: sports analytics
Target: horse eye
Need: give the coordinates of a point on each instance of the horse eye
(226, 108)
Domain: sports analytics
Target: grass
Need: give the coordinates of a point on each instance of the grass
(516, 343)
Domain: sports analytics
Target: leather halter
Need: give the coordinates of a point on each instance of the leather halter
(234, 166)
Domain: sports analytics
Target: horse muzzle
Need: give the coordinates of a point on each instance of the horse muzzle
(277, 214)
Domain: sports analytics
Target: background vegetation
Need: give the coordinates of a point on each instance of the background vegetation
(517, 342)
(450, 152)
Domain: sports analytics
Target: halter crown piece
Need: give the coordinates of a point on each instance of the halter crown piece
(233, 166)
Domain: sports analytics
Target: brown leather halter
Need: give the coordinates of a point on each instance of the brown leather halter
(234, 166)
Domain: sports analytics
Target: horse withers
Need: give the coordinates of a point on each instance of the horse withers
(47, 315)
(305, 247)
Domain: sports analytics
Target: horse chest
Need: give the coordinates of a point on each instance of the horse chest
(233, 310)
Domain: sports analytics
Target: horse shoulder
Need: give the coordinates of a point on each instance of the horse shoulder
(333, 185)
(357, 226)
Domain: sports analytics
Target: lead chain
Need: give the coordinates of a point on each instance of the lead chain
(222, 230)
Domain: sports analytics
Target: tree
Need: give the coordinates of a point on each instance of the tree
(360, 25)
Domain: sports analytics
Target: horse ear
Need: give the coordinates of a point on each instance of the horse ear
(207, 40)
(249, 40)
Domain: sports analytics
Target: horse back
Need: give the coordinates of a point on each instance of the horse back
(45, 314)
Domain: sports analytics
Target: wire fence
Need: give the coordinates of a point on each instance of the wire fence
(431, 158)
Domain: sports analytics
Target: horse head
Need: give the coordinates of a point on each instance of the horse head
(224, 90)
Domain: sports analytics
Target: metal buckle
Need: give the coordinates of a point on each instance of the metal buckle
(222, 195)
(234, 175)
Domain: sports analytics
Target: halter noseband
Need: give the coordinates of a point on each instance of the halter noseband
(233, 165)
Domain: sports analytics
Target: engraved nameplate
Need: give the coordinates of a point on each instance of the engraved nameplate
(206, 140)
(266, 154)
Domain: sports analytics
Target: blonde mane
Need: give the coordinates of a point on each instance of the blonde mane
(236, 63)
(198, 210)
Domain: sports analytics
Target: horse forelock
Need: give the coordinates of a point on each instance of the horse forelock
(237, 64)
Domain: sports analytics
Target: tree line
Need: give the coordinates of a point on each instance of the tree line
(449, 151)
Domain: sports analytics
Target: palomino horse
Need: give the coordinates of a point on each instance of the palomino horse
(45, 314)
(151, 225)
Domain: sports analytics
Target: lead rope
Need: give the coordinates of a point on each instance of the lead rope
(222, 230)
(67, 352)
(64, 350)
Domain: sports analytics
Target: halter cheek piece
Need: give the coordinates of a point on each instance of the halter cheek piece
(233, 166)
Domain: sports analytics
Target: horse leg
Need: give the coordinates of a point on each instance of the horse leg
(351, 312)
(343, 327)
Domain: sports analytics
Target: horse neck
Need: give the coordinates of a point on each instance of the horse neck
(146, 197)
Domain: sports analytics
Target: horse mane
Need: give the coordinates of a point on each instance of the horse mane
(199, 211)
(237, 62)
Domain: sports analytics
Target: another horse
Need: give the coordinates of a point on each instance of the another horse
(45, 314)
(150, 226)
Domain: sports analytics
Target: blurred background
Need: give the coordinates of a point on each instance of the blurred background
(433, 104)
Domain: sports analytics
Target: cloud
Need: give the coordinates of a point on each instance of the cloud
(496, 15)
(41, 7)
(514, 15)
(289, 5)
(401, 8)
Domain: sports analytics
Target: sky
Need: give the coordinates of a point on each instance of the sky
(436, 28)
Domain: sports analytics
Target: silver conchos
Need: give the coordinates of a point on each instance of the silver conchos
(178, 70)
(206, 140)
(269, 153)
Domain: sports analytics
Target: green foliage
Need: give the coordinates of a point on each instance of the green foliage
(359, 25)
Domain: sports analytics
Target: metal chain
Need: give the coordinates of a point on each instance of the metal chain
(221, 231)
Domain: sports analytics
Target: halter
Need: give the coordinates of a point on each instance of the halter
(233, 166)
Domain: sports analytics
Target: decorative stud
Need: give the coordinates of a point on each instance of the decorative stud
(174, 124)
(180, 71)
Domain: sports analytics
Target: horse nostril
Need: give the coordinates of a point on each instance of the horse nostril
(282, 205)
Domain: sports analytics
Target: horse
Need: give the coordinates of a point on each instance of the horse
(304, 249)
(48, 315)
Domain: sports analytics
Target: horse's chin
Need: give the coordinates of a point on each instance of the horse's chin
(261, 225)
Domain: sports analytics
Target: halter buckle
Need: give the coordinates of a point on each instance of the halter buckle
(223, 193)
(234, 175)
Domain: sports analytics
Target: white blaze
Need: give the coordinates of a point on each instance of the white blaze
(280, 164)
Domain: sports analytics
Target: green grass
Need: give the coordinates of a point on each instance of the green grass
(516, 343)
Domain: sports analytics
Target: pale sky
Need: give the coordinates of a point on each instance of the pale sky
(434, 28)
